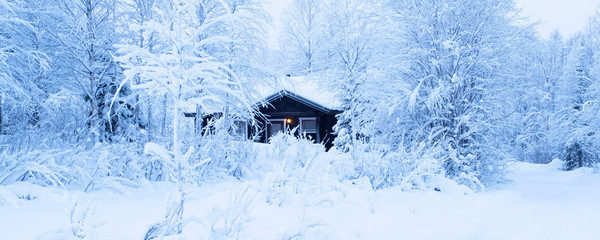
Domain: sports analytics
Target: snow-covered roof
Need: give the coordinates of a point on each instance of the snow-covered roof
(306, 90)
(302, 87)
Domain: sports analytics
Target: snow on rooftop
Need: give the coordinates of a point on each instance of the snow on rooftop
(305, 87)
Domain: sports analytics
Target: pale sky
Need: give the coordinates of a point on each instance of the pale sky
(566, 16)
(275, 9)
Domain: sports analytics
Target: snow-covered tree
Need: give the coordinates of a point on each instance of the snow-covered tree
(580, 93)
(243, 53)
(459, 55)
(354, 64)
(539, 102)
(22, 65)
(183, 67)
(87, 31)
(303, 38)
(193, 65)
(146, 108)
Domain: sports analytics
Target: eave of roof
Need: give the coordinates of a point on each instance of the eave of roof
(294, 96)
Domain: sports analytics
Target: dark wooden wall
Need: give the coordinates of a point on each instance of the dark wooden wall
(288, 108)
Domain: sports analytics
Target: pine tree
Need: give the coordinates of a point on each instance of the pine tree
(581, 143)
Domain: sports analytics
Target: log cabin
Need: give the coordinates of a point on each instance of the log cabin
(293, 103)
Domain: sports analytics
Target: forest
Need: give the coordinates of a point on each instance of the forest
(436, 96)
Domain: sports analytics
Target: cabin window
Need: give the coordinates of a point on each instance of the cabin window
(275, 126)
(310, 127)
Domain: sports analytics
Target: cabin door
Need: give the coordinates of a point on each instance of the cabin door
(274, 126)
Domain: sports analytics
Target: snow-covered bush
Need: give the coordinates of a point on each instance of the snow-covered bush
(46, 168)
(427, 172)
(115, 166)
(117, 120)
(213, 156)
(382, 167)
(299, 167)
(294, 152)
(416, 168)
(221, 153)
(104, 166)
(578, 154)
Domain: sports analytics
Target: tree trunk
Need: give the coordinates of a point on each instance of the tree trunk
(1, 114)
(176, 143)
(89, 11)
(149, 122)
(164, 119)
(93, 103)
(137, 82)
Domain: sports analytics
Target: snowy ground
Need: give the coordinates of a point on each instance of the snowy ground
(540, 203)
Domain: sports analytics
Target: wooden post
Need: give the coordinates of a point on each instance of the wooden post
(318, 127)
